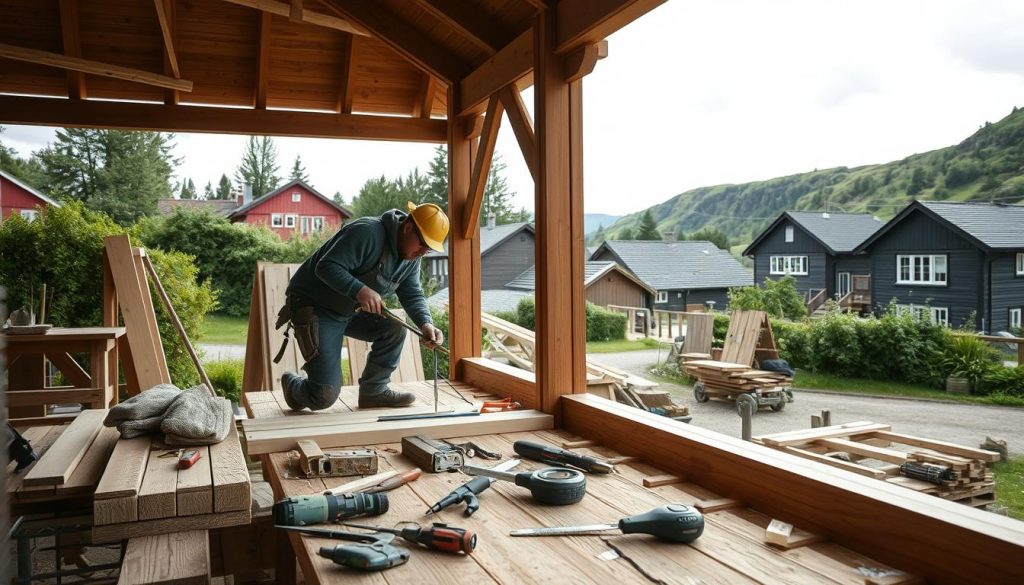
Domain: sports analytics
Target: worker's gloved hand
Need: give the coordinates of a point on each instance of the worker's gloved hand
(432, 336)
(369, 300)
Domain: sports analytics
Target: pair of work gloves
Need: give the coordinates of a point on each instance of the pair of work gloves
(186, 417)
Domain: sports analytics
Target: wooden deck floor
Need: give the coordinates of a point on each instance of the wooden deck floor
(731, 550)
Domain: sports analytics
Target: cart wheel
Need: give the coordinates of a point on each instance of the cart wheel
(781, 404)
(746, 399)
(698, 392)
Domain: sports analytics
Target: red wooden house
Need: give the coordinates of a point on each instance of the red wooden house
(295, 208)
(17, 198)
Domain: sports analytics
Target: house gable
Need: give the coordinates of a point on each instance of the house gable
(16, 196)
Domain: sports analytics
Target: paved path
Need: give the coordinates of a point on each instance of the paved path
(965, 424)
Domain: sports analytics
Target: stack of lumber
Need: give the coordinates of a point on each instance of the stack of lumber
(71, 459)
(873, 450)
(142, 493)
(732, 378)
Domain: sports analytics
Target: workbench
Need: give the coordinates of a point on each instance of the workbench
(28, 394)
(731, 550)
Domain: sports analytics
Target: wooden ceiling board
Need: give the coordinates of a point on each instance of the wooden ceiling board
(446, 36)
(385, 83)
(24, 24)
(126, 34)
(305, 65)
(217, 48)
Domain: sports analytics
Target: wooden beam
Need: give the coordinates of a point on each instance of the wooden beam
(581, 62)
(582, 22)
(577, 240)
(513, 62)
(162, 14)
(93, 67)
(425, 100)
(69, 28)
(482, 167)
(463, 253)
(403, 37)
(943, 541)
(59, 462)
(501, 380)
(473, 127)
(263, 61)
(295, 15)
(469, 22)
(136, 116)
(522, 125)
(308, 16)
(347, 90)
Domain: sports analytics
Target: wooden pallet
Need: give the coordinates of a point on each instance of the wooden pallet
(725, 379)
(142, 494)
(873, 450)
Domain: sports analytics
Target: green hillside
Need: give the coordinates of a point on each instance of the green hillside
(988, 166)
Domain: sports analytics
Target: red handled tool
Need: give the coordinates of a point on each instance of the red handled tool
(188, 458)
(500, 405)
(436, 536)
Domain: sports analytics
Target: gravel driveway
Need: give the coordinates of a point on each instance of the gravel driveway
(965, 424)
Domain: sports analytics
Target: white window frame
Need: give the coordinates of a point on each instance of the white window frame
(305, 224)
(296, 197)
(1015, 318)
(290, 220)
(1020, 263)
(940, 315)
(661, 296)
(792, 265)
(934, 314)
(922, 269)
(276, 220)
(318, 223)
(789, 234)
(29, 215)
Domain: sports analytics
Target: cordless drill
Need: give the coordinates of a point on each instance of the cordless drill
(317, 509)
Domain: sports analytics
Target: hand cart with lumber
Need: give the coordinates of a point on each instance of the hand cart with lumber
(749, 342)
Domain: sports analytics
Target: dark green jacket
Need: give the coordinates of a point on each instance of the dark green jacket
(330, 277)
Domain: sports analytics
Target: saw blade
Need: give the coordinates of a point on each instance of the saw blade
(563, 530)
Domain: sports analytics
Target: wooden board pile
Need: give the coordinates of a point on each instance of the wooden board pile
(142, 493)
(71, 459)
(730, 378)
(873, 450)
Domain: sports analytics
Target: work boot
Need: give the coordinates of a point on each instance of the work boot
(388, 398)
(288, 380)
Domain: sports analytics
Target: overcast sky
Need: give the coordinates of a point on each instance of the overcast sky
(703, 92)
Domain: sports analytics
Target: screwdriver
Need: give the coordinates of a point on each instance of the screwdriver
(437, 536)
(556, 456)
(672, 522)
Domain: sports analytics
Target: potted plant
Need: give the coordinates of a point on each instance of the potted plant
(967, 363)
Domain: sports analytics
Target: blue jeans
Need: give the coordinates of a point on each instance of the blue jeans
(323, 383)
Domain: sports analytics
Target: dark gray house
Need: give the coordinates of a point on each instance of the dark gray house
(952, 261)
(817, 250)
(682, 274)
(505, 252)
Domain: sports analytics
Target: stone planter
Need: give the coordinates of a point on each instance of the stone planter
(955, 385)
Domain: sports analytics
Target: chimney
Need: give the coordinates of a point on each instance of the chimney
(239, 199)
(246, 193)
(492, 220)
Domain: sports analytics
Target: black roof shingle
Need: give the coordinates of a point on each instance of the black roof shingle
(686, 265)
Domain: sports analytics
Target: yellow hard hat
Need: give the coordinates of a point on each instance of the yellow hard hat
(432, 223)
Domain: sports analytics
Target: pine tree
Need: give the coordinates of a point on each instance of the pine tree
(711, 234)
(626, 234)
(337, 198)
(299, 171)
(415, 187)
(497, 197)
(916, 181)
(376, 197)
(437, 179)
(28, 170)
(259, 166)
(188, 189)
(208, 191)
(223, 188)
(648, 229)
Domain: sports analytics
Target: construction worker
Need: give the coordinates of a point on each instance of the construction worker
(339, 291)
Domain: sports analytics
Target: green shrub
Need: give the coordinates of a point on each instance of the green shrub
(719, 329)
(226, 377)
(525, 313)
(604, 325)
(64, 249)
(970, 358)
(794, 341)
(778, 298)
(1005, 381)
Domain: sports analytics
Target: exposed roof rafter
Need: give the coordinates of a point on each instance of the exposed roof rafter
(308, 16)
(69, 28)
(466, 19)
(93, 67)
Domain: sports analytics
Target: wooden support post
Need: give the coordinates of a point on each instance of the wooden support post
(463, 251)
(560, 323)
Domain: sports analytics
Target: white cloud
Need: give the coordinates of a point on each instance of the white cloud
(702, 93)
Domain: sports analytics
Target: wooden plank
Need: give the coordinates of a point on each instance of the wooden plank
(133, 310)
(163, 16)
(834, 462)
(471, 24)
(501, 380)
(941, 446)
(323, 418)
(138, 256)
(880, 453)
(184, 118)
(44, 396)
(717, 504)
(308, 16)
(660, 480)
(42, 438)
(60, 461)
(71, 35)
(92, 67)
(180, 558)
(263, 61)
(274, 441)
(510, 64)
(89, 471)
(348, 66)
(809, 435)
(482, 167)
(115, 532)
(939, 540)
(194, 494)
(255, 350)
(116, 498)
(231, 484)
(275, 283)
(577, 241)
(157, 495)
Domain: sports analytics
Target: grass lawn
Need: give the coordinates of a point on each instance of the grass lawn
(1010, 486)
(828, 382)
(225, 330)
(622, 345)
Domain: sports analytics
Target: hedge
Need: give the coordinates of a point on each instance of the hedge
(602, 324)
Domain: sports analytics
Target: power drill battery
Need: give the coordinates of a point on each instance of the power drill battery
(433, 456)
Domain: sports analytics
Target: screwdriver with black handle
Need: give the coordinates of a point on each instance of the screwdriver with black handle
(556, 456)
(436, 536)
(672, 523)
